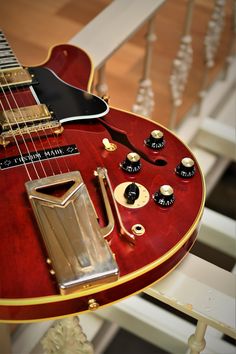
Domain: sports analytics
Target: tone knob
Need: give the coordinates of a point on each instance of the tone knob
(156, 140)
(132, 163)
(186, 168)
(131, 193)
(165, 196)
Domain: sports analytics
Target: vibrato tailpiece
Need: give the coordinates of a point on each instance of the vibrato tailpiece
(78, 251)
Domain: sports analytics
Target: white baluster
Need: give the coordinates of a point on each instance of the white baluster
(145, 98)
(101, 86)
(232, 47)
(66, 336)
(197, 341)
(181, 66)
(212, 41)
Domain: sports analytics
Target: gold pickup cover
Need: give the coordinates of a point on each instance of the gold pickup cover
(79, 254)
(17, 117)
(14, 76)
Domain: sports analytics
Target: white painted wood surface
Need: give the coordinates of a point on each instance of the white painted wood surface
(113, 27)
(218, 231)
(201, 290)
(217, 137)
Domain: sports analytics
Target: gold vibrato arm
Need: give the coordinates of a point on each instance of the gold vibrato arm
(101, 173)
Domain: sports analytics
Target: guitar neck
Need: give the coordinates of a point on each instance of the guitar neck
(7, 57)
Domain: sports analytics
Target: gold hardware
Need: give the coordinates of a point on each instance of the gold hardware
(187, 162)
(133, 157)
(101, 174)
(75, 243)
(109, 146)
(157, 134)
(138, 229)
(166, 190)
(36, 131)
(52, 271)
(93, 305)
(141, 201)
(106, 98)
(15, 76)
(23, 115)
(48, 261)
(124, 232)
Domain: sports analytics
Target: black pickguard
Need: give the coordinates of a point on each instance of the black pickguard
(64, 100)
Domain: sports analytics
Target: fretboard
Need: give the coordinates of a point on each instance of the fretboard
(7, 57)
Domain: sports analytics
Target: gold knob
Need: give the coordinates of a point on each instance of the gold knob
(157, 134)
(93, 305)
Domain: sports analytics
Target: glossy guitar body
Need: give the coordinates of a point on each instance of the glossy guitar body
(28, 291)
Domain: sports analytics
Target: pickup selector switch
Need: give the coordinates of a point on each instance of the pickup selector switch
(131, 193)
(156, 140)
(186, 168)
(165, 196)
(132, 163)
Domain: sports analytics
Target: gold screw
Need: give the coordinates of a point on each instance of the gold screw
(93, 305)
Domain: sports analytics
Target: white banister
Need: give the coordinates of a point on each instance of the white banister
(217, 137)
(201, 290)
(113, 27)
(218, 231)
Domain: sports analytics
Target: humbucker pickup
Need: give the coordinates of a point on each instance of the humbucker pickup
(35, 120)
(15, 76)
(22, 116)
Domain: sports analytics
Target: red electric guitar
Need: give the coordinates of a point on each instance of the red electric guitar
(96, 203)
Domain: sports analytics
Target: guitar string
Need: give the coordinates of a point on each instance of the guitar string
(15, 121)
(19, 109)
(18, 127)
(23, 104)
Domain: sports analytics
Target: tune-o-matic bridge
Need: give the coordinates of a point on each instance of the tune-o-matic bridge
(33, 120)
(78, 252)
(14, 76)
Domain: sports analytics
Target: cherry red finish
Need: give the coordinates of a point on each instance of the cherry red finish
(26, 286)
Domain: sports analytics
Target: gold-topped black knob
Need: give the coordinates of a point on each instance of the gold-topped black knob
(186, 168)
(156, 140)
(165, 196)
(132, 163)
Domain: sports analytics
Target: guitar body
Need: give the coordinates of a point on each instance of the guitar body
(28, 291)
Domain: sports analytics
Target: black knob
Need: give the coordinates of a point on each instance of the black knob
(131, 193)
(156, 140)
(186, 168)
(165, 196)
(132, 163)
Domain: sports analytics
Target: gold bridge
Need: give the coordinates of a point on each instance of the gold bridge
(34, 120)
(14, 76)
(78, 252)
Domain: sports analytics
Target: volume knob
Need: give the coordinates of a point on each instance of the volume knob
(165, 196)
(186, 168)
(156, 140)
(132, 163)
